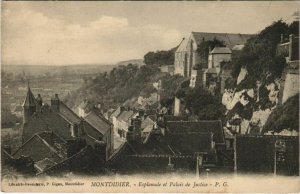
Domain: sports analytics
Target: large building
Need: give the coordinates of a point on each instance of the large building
(61, 120)
(187, 57)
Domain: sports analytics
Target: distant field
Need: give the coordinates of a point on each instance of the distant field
(56, 70)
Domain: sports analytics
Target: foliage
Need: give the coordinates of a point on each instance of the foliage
(8, 119)
(123, 83)
(160, 58)
(285, 116)
(204, 46)
(259, 53)
(202, 103)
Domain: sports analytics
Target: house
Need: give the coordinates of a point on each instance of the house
(104, 126)
(45, 144)
(121, 120)
(186, 56)
(61, 120)
(180, 147)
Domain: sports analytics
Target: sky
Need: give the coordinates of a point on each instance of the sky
(90, 32)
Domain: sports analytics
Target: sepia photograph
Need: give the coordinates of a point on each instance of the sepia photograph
(150, 96)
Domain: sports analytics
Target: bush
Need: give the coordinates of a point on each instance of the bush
(285, 116)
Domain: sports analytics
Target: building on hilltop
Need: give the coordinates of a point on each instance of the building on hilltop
(187, 57)
(290, 76)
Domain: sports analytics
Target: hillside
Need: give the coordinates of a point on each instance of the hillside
(124, 83)
(252, 94)
(128, 80)
(285, 116)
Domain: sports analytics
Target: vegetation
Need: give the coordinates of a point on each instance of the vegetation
(123, 83)
(285, 116)
(201, 103)
(204, 46)
(160, 58)
(8, 120)
(259, 53)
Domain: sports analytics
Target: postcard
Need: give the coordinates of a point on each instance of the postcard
(150, 96)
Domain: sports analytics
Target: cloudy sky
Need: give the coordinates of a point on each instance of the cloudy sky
(64, 33)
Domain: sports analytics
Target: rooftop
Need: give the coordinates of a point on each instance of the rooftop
(205, 126)
(221, 50)
(29, 99)
(98, 122)
(229, 39)
(68, 114)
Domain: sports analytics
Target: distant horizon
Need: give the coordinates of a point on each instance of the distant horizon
(78, 33)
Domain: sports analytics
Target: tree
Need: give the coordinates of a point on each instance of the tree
(204, 46)
(285, 116)
(160, 58)
(202, 103)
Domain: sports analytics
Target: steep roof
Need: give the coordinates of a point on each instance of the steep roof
(68, 114)
(229, 39)
(98, 122)
(221, 50)
(47, 139)
(182, 46)
(29, 99)
(183, 127)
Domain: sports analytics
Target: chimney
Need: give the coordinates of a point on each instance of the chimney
(209, 49)
(291, 37)
(39, 103)
(55, 103)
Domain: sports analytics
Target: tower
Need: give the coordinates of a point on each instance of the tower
(29, 106)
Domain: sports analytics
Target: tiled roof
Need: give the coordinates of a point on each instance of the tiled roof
(29, 99)
(68, 114)
(214, 126)
(221, 50)
(98, 122)
(53, 142)
(230, 40)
